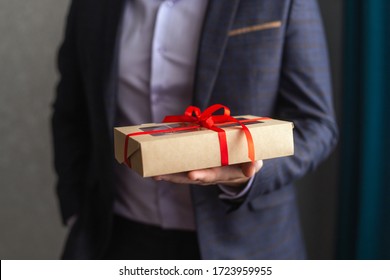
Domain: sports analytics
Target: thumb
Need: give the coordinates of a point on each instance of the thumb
(251, 168)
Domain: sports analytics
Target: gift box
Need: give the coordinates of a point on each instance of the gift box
(190, 143)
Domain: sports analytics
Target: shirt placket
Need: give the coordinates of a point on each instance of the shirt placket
(157, 84)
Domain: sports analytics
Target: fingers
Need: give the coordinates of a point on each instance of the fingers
(205, 175)
(248, 169)
(217, 174)
(177, 178)
(233, 175)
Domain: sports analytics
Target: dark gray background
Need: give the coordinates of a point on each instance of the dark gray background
(29, 216)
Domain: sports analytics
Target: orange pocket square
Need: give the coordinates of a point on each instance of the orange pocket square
(257, 27)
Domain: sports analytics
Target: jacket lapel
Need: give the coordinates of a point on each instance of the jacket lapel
(218, 20)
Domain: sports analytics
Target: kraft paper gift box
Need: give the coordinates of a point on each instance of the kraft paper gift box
(157, 149)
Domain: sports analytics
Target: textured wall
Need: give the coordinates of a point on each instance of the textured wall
(30, 32)
(29, 218)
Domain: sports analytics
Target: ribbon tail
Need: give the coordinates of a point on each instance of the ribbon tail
(251, 146)
(224, 148)
(126, 159)
(224, 152)
(249, 139)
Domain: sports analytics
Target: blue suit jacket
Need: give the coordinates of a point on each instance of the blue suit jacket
(259, 57)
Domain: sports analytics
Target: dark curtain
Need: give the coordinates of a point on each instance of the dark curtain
(365, 143)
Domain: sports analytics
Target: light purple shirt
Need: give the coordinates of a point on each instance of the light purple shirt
(157, 57)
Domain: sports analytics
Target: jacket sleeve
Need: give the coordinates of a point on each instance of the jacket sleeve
(70, 123)
(304, 97)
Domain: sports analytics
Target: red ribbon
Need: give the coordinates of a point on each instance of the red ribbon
(207, 120)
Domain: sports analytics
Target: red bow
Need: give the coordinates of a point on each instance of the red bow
(206, 119)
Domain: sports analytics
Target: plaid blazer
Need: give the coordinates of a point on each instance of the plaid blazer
(259, 57)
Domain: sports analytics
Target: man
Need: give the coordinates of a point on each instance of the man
(134, 61)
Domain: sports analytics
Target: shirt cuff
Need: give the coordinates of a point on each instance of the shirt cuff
(232, 193)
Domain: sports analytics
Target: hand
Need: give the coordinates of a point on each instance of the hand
(233, 175)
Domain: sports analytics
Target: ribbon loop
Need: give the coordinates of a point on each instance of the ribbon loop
(192, 110)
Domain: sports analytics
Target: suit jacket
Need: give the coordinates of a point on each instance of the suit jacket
(260, 57)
